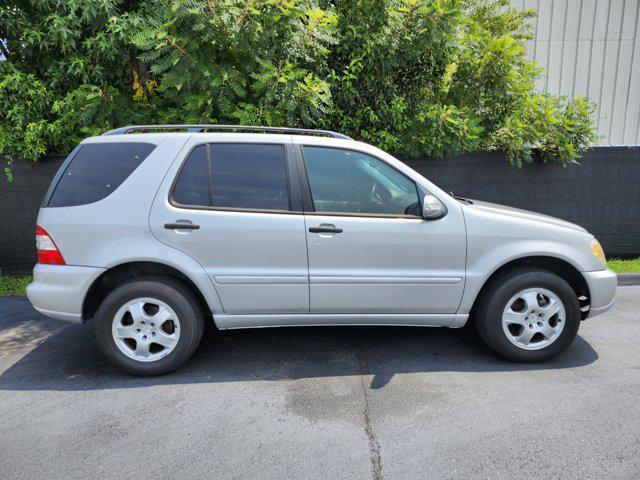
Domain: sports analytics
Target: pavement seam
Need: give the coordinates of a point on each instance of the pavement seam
(374, 445)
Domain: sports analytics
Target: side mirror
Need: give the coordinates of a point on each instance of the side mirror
(432, 207)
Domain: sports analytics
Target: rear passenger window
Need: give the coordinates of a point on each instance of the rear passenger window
(96, 171)
(249, 176)
(243, 176)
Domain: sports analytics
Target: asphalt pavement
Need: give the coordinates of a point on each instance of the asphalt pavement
(343, 402)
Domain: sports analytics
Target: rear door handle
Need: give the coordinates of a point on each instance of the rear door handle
(325, 230)
(181, 226)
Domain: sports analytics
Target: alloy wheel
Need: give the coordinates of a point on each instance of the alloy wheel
(533, 318)
(146, 329)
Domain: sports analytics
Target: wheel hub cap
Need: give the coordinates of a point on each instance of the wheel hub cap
(533, 318)
(146, 329)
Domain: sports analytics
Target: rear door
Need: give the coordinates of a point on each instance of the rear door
(232, 208)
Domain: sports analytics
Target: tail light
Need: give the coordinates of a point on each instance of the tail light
(47, 250)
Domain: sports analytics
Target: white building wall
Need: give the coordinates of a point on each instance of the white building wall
(591, 48)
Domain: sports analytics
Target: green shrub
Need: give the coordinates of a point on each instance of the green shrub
(415, 77)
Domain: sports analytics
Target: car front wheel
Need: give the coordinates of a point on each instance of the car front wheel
(528, 315)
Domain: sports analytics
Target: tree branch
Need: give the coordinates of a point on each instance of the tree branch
(4, 50)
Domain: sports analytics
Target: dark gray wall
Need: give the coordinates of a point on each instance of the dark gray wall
(602, 194)
(19, 204)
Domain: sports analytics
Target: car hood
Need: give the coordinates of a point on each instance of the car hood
(518, 213)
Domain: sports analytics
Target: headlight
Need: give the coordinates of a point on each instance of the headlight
(597, 251)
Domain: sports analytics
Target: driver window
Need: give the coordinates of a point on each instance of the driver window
(345, 181)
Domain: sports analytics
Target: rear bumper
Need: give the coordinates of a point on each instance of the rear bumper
(58, 291)
(602, 289)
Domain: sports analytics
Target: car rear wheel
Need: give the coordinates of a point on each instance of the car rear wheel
(528, 315)
(149, 326)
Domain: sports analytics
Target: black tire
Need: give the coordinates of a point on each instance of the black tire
(172, 292)
(488, 313)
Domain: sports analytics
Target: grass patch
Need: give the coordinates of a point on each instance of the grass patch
(13, 286)
(624, 266)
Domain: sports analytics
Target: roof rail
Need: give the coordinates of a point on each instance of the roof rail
(200, 128)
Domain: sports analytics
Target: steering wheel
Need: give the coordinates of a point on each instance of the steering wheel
(371, 197)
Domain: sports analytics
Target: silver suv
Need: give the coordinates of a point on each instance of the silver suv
(152, 230)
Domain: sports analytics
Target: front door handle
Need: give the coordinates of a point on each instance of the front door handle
(327, 229)
(181, 226)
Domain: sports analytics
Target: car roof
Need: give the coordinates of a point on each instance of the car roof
(158, 137)
(195, 128)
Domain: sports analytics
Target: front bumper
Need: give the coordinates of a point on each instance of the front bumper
(602, 290)
(58, 291)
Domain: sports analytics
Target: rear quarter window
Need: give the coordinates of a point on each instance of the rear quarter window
(192, 185)
(96, 171)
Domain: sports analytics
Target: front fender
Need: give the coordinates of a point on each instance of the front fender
(495, 240)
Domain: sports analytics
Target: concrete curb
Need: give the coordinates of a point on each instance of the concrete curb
(628, 279)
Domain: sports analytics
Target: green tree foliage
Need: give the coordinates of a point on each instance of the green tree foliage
(254, 63)
(416, 77)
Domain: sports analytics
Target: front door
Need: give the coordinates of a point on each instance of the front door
(231, 209)
(370, 250)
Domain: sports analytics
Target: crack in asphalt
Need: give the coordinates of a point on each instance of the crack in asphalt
(374, 445)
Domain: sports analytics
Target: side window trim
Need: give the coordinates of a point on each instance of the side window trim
(209, 173)
(308, 205)
(295, 196)
(303, 181)
(295, 207)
